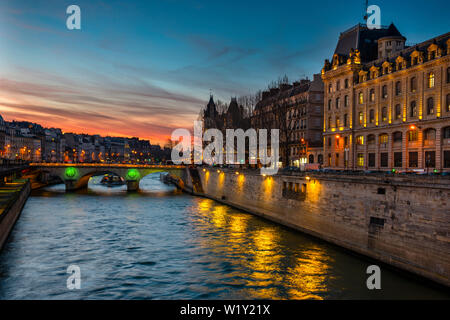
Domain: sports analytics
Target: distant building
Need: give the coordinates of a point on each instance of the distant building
(297, 111)
(234, 117)
(387, 105)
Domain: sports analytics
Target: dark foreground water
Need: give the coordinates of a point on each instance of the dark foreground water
(162, 244)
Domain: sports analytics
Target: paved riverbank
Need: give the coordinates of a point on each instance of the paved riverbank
(12, 199)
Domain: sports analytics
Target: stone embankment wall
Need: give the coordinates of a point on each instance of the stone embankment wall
(13, 198)
(401, 220)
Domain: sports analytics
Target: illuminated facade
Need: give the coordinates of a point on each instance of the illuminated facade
(386, 105)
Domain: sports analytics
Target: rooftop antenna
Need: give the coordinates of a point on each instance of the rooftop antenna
(365, 11)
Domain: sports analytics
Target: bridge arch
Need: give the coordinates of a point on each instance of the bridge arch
(76, 176)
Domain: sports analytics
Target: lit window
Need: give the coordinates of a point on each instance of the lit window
(431, 80)
(372, 95)
(448, 103)
(361, 118)
(361, 98)
(360, 160)
(413, 135)
(360, 140)
(384, 138)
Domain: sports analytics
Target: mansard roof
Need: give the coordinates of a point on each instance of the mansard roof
(438, 42)
(365, 40)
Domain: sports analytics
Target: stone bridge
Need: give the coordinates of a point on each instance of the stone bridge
(76, 175)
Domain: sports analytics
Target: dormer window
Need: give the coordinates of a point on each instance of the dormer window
(432, 55)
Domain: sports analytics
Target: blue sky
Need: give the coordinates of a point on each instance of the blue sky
(142, 68)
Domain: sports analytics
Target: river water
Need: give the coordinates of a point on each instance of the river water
(163, 244)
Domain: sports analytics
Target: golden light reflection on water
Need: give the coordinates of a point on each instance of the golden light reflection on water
(266, 259)
(309, 276)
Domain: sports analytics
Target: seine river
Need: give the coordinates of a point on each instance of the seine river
(163, 244)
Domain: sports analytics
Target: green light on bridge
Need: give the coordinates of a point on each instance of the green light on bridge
(71, 172)
(133, 174)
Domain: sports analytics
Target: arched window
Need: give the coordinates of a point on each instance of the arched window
(413, 109)
(311, 158)
(398, 112)
(361, 118)
(431, 80)
(413, 84)
(384, 114)
(372, 95)
(361, 98)
(330, 88)
(430, 105)
(398, 88)
(384, 92)
(372, 116)
(370, 139)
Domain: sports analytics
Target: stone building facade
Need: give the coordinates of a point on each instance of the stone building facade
(297, 111)
(386, 105)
